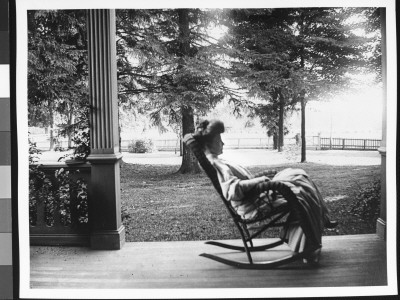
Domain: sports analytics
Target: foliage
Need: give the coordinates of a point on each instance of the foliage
(263, 40)
(34, 152)
(57, 84)
(57, 67)
(328, 50)
(304, 48)
(167, 76)
(367, 202)
(47, 193)
(55, 193)
(178, 70)
(171, 68)
(36, 179)
(292, 55)
(368, 24)
(57, 58)
(269, 118)
(82, 201)
(80, 138)
(40, 189)
(141, 146)
(64, 195)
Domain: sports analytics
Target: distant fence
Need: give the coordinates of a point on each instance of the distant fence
(229, 143)
(312, 142)
(349, 144)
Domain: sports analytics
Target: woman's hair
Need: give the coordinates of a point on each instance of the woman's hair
(207, 130)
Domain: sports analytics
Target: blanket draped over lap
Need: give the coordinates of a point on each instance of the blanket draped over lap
(313, 205)
(236, 180)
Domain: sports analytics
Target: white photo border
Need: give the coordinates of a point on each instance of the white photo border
(22, 6)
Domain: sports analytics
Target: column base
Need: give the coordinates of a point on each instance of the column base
(381, 228)
(104, 158)
(108, 239)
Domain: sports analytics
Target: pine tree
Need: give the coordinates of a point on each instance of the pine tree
(263, 39)
(295, 55)
(57, 69)
(326, 51)
(180, 73)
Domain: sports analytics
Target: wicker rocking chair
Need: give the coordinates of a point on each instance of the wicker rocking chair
(278, 217)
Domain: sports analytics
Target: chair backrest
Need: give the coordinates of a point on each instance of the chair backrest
(208, 168)
(211, 172)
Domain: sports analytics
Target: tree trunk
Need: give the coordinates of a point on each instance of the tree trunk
(189, 161)
(275, 140)
(303, 129)
(302, 101)
(280, 122)
(51, 138)
(69, 132)
(51, 125)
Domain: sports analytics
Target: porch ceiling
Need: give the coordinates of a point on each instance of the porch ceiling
(356, 260)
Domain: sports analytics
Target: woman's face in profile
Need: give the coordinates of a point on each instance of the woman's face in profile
(216, 145)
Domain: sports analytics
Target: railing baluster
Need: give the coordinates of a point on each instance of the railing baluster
(57, 214)
(40, 213)
(73, 232)
(73, 209)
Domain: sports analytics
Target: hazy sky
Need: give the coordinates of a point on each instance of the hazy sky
(348, 114)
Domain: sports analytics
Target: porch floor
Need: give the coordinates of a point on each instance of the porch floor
(352, 260)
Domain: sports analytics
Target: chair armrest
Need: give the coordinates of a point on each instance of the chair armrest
(277, 186)
(269, 173)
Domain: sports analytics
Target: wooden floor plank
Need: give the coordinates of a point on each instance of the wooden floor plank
(358, 260)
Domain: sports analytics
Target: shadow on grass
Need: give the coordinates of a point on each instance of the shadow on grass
(159, 204)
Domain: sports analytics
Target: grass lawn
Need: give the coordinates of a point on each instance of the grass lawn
(158, 204)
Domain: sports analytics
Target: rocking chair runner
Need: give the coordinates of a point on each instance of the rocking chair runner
(280, 216)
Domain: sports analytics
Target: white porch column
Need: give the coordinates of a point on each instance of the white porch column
(105, 207)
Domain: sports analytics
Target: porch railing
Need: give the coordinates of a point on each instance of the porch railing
(47, 219)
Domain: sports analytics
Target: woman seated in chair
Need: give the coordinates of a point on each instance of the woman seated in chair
(236, 181)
